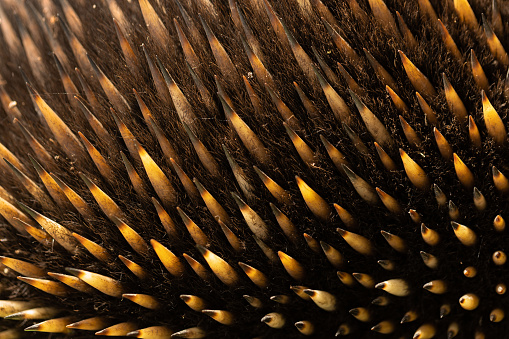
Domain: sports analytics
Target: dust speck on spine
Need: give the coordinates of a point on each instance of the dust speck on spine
(254, 169)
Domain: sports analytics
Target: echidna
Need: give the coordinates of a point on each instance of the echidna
(261, 168)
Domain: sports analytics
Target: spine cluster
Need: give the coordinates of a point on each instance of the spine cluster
(258, 168)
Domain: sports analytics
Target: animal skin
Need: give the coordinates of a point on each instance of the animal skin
(254, 169)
